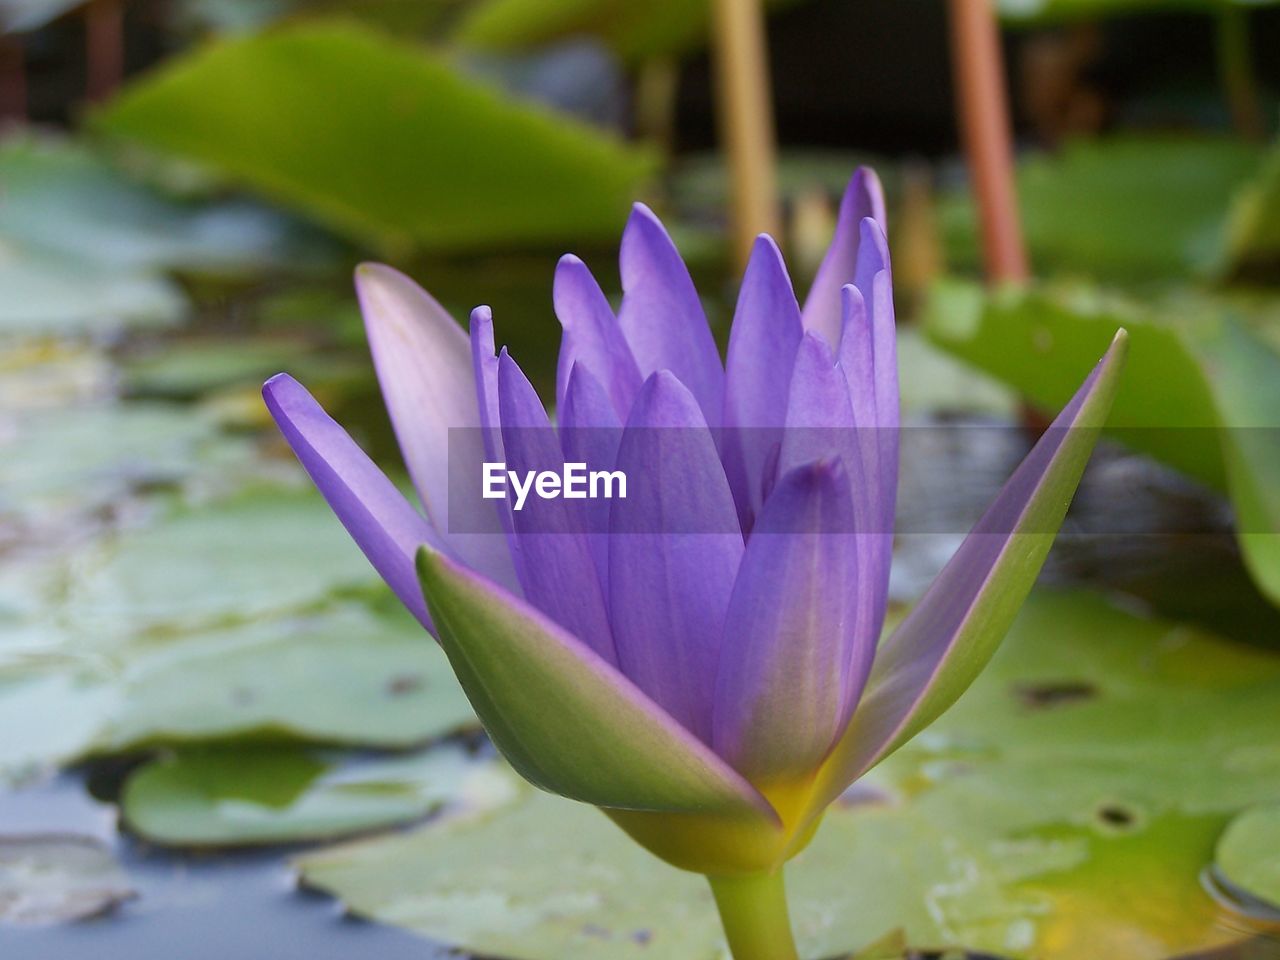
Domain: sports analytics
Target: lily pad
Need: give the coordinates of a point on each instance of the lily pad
(1102, 208)
(1198, 393)
(1248, 854)
(407, 152)
(238, 796)
(342, 676)
(52, 295)
(63, 199)
(57, 878)
(1019, 825)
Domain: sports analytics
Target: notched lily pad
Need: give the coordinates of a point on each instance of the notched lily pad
(1076, 832)
(238, 796)
(56, 878)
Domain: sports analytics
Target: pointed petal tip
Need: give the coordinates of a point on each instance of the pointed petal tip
(279, 381)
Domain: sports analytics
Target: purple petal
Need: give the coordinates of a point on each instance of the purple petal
(556, 567)
(763, 341)
(378, 517)
(942, 645)
(789, 631)
(820, 425)
(424, 366)
(662, 317)
(673, 553)
(592, 338)
(589, 434)
(863, 198)
(567, 720)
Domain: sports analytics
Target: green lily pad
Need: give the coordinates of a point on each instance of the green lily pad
(56, 878)
(1026, 823)
(342, 676)
(52, 295)
(1248, 854)
(237, 796)
(407, 152)
(63, 464)
(259, 554)
(1102, 208)
(1198, 393)
(62, 199)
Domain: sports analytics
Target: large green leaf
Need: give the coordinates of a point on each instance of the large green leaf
(1065, 808)
(637, 31)
(406, 150)
(1124, 208)
(234, 796)
(1199, 392)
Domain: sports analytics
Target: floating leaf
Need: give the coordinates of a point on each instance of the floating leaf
(62, 199)
(238, 796)
(1103, 209)
(1198, 388)
(1021, 825)
(344, 676)
(1248, 855)
(406, 152)
(53, 295)
(57, 878)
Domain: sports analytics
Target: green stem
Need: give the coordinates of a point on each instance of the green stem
(753, 910)
(1235, 66)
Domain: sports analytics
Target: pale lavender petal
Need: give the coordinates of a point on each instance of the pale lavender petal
(674, 551)
(662, 317)
(863, 198)
(589, 433)
(556, 567)
(763, 341)
(592, 337)
(821, 425)
(952, 632)
(380, 520)
(790, 627)
(424, 366)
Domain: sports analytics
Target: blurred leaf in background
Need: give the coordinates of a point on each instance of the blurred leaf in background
(1201, 393)
(635, 31)
(1128, 208)
(406, 153)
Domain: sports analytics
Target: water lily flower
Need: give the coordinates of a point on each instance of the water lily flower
(712, 675)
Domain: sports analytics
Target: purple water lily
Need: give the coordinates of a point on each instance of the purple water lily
(713, 677)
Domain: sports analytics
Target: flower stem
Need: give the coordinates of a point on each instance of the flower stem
(1235, 66)
(978, 67)
(746, 119)
(753, 909)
